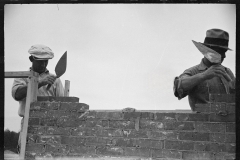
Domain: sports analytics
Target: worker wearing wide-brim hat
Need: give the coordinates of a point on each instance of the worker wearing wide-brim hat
(39, 56)
(210, 76)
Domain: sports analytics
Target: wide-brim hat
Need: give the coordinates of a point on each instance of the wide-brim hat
(41, 52)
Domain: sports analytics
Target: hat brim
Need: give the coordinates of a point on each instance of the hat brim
(40, 59)
(224, 47)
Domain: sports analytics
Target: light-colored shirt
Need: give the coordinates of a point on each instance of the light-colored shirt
(200, 93)
(55, 90)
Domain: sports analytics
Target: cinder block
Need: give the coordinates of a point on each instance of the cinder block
(178, 145)
(110, 151)
(124, 124)
(57, 99)
(179, 126)
(210, 127)
(222, 118)
(162, 135)
(138, 152)
(194, 136)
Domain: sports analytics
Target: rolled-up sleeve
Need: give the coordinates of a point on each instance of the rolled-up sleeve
(16, 84)
(177, 88)
(59, 88)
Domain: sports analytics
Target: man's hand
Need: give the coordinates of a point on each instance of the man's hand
(50, 79)
(216, 71)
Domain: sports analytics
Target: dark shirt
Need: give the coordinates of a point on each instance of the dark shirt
(200, 93)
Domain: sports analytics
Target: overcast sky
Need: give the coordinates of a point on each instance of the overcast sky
(119, 55)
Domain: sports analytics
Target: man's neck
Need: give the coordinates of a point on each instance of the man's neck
(207, 62)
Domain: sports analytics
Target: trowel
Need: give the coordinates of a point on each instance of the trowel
(60, 67)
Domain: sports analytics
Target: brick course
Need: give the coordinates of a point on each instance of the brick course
(63, 127)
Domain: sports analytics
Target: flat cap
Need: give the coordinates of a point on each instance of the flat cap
(41, 52)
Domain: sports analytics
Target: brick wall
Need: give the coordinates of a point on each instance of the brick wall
(63, 127)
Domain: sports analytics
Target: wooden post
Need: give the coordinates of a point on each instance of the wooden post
(31, 97)
(67, 88)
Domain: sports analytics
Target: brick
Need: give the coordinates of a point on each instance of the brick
(109, 115)
(123, 142)
(48, 122)
(72, 140)
(229, 98)
(192, 117)
(220, 118)
(135, 134)
(71, 106)
(37, 148)
(68, 121)
(110, 151)
(96, 123)
(218, 107)
(162, 135)
(179, 126)
(35, 106)
(131, 115)
(57, 99)
(38, 114)
(202, 108)
(217, 147)
(151, 125)
(147, 143)
(202, 146)
(139, 152)
(30, 155)
(178, 145)
(230, 127)
(165, 116)
(80, 131)
(124, 124)
(231, 147)
(147, 115)
(231, 107)
(157, 153)
(57, 148)
(189, 155)
(33, 121)
(36, 130)
(32, 138)
(83, 149)
(225, 156)
(95, 141)
(57, 114)
(194, 136)
(210, 127)
(49, 139)
(230, 138)
(58, 131)
(101, 132)
(217, 137)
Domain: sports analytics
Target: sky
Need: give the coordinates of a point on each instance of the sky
(119, 55)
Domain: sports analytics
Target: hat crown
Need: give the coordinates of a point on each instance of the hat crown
(217, 33)
(41, 52)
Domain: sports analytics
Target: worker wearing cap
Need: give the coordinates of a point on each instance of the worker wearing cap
(39, 56)
(208, 77)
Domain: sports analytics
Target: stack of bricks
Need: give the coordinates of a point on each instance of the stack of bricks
(64, 128)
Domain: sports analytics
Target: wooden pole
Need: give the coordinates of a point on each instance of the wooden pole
(67, 88)
(31, 97)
